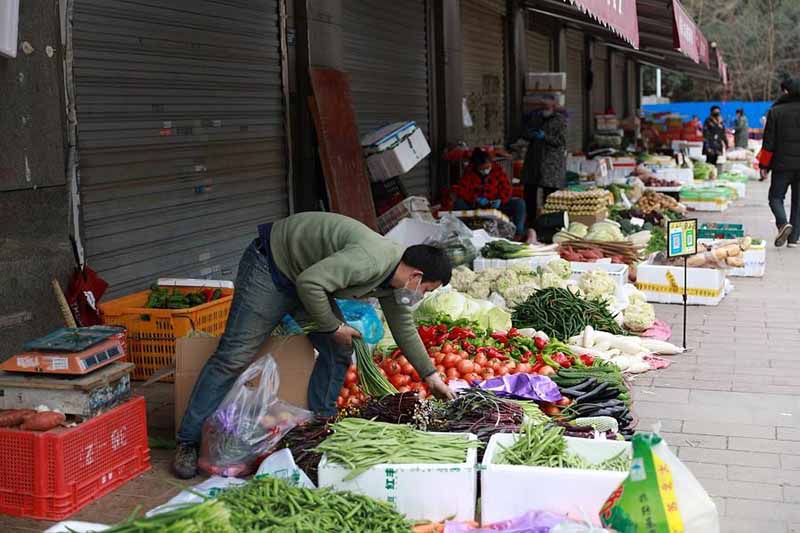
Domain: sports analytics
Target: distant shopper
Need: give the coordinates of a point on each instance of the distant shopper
(545, 164)
(780, 155)
(486, 185)
(714, 141)
(741, 129)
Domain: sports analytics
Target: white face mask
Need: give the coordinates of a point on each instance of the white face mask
(409, 297)
(484, 171)
(547, 112)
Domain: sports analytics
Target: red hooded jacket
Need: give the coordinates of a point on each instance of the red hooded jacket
(495, 186)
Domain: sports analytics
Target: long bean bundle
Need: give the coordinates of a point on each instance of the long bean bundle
(544, 445)
(271, 505)
(361, 444)
(209, 516)
(372, 382)
(562, 314)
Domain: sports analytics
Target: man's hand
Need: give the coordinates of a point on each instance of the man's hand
(344, 335)
(438, 387)
(764, 174)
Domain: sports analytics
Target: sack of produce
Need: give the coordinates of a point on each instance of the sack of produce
(455, 238)
(248, 423)
(660, 494)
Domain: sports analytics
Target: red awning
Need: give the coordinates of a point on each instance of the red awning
(617, 15)
(722, 67)
(687, 37)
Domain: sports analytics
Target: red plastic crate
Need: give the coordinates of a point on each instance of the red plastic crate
(54, 474)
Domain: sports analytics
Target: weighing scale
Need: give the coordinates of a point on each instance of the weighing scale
(74, 351)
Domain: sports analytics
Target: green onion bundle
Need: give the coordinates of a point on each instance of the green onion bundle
(361, 444)
(544, 445)
(372, 382)
(209, 516)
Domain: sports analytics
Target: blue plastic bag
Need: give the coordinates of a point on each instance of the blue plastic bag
(363, 317)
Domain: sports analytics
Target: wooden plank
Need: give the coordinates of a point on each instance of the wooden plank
(88, 382)
(349, 190)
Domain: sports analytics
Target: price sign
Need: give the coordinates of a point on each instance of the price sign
(681, 237)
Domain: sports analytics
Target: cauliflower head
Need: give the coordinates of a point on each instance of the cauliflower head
(517, 294)
(560, 267)
(639, 316)
(479, 290)
(597, 284)
(462, 278)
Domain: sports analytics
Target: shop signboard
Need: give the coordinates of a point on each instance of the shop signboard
(682, 237)
(618, 15)
(685, 33)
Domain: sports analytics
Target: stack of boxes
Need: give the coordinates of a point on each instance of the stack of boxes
(539, 84)
(607, 134)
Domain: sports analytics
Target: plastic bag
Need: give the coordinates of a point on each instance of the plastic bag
(362, 316)
(660, 495)
(74, 526)
(281, 465)
(455, 238)
(248, 423)
(197, 494)
(530, 522)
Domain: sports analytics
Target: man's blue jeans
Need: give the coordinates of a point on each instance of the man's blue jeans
(258, 306)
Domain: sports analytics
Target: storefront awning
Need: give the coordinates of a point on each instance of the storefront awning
(722, 67)
(687, 37)
(617, 15)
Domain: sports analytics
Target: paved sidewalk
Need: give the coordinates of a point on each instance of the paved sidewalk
(731, 405)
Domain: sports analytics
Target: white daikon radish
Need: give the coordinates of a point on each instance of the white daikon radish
(660, 347)
(627, 345)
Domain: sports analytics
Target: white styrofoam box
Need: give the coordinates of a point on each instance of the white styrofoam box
(619, 273)
(508, 491)
(664, 284)
(417, 207)
(482, 263)
(190, 282)
(394, 150)
(411, 231)
(534, 100)
(419, 491)
(9, 27)
(716, 206)
(683, 175)
(546, 81)
(606, 122)
(738, 186)
(574, 163)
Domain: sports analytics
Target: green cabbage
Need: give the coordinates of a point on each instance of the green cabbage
(457, 305)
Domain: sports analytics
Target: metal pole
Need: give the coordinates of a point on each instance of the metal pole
(658, 83)
(685, 295)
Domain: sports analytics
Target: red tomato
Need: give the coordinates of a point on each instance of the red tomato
(480, 360)
(547, 370)
(438, 357)
(415, 386)
(398, 380)
(466, 366)
(496, 365)
(415, 376)
(402, 360)
(451, 361)
(524, 368)
(440, 369)
(351, 377)
(355, 402)
(404, 388)
(447, 348)
(463, 354)
(340, 402)
(392, 368)
(564, 402)
(502, 370)
(344, 393)
(422, 394)
(550, 410)
(407, 368)
(354, 388)
(487, 373)
(452, 373)
(382, 371)
(472, 376)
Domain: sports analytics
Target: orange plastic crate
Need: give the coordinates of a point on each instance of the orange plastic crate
(51, 475)
(152, 332)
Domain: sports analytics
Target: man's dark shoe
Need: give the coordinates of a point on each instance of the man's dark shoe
(184, 465)
(791, 244)
(783, 235)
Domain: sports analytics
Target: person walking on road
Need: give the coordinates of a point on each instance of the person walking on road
(741, 130)
(780, 156)
(714, 138)
(305, 261)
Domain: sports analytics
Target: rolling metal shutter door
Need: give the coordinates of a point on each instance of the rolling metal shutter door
(539, 50)
(575, 91)
(484, 70)
(618, 83)
(600, 80)
(181, 134)
(386, 55)
(633, 88)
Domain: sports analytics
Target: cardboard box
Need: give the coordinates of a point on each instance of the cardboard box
(546, 82)
(295, 357)
(394, 150)
(589, 219)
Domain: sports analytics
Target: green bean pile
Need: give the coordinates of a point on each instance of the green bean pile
(372, 382)
(271, 505)
(544, 445)
(361, 444)
(562, 314)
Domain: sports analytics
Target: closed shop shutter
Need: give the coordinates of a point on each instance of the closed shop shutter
(483, 26)
(618, 83)
(576, 90)
(632, 101)
(600, 80)
(386, 55)
(539, 50)
(181, 134)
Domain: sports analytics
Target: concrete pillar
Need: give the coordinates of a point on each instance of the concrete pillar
(516, 65)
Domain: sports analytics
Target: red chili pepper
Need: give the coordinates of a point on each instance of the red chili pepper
(539, 342)
(587, 360)
(525, 357)
(500, 337)
(208, 294)
(513, 332)
(467, 347)
(492, 353)
(441, 328)
(538, 366)
(441, 339)
(397, 353)
(539, 358)
(562, 360)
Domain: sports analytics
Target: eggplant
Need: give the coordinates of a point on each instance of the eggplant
(579, 389)
(592, 394)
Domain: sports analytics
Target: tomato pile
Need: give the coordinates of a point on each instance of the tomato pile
(468, 354)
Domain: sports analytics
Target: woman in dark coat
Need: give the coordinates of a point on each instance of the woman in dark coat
(546, 159)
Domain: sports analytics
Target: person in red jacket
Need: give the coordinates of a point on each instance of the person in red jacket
(485, 185)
